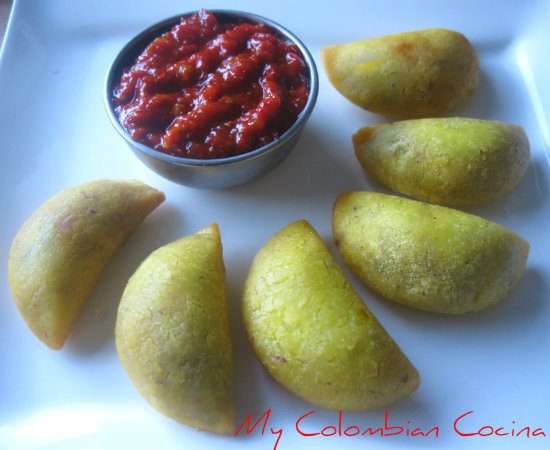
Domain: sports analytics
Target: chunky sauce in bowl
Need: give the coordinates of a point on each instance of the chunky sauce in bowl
(208, 90)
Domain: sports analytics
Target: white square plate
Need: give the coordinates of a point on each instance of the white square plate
(55, 133)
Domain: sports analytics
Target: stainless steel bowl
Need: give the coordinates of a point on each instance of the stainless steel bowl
(210, 173)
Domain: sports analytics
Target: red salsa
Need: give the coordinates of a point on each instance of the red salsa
(207, 89)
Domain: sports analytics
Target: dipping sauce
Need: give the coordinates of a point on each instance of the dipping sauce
(208, 90)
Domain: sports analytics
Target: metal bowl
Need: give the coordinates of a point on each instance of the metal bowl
(210, 173)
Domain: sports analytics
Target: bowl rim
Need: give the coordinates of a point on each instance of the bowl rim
(158, 28)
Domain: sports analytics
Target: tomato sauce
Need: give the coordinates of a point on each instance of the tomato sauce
(207, 89)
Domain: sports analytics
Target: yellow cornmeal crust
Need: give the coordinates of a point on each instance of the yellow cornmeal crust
(406, 75)
(173, 335)
(60, 252)
(312, 331)
(447, 161)
(427, 256)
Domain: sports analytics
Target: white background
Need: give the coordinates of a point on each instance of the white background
(55, 133)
